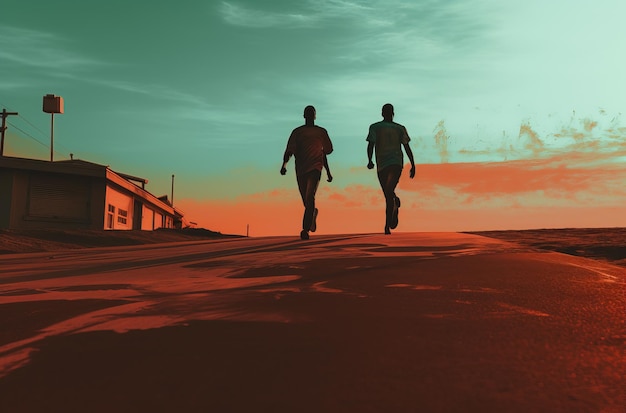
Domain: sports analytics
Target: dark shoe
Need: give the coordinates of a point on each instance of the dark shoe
(314, 223)
(304, 234)
(387, 231)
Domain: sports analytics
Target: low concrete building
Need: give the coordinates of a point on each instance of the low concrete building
(78, 194)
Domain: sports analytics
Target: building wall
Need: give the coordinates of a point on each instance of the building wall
(158, 220)
(47, 200)
(19, 202)
(6, 197)
(147, 218)
(118, 213)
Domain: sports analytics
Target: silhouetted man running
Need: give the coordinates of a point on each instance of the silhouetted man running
(309, 144)
(388, 137)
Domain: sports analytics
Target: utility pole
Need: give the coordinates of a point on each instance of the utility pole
(172, 200)
(3, 128)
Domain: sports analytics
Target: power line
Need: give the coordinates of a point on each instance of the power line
(37, 129)
(39, 132)
(8, 108)
(31, 124)
(29, 135)
(27, 121)
(35, 139)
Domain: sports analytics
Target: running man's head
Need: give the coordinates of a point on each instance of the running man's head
(309, 113)
(387, 111)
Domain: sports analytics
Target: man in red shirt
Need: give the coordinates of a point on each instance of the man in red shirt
(309, 144)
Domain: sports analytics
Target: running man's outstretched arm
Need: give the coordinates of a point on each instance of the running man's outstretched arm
(409, 153)
(289, 150)
(286, 157)
(330, 176)
(370, 153)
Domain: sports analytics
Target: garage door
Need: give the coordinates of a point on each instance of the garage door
(60, 197)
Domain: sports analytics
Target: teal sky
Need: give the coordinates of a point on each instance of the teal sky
(210, 90)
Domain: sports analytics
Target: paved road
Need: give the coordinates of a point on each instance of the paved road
(410, 322)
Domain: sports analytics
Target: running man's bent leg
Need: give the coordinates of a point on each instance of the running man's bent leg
(310, 183)
(302, 182)
(389, 178)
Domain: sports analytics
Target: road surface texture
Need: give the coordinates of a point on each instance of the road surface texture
(413, 322)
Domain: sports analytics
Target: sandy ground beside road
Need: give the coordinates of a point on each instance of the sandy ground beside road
(606, 244)
(22, 241)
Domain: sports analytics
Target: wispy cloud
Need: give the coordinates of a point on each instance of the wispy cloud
(151, 90)
(311, 13)
(601, 138)
(452, 19)
(565, 180)
(239, 15)
(8, 85)
(38, 49)
(53, 54)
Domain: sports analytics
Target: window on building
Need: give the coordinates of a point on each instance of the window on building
(122, 216)
(110, 215)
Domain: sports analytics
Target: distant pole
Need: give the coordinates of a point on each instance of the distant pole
(172, 200)
(51, 137)
(247, 230)
(3, 128)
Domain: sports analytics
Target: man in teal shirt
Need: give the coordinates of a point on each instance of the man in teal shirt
(388, 138)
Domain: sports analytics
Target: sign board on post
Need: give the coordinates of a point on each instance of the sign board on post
(52, 104)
